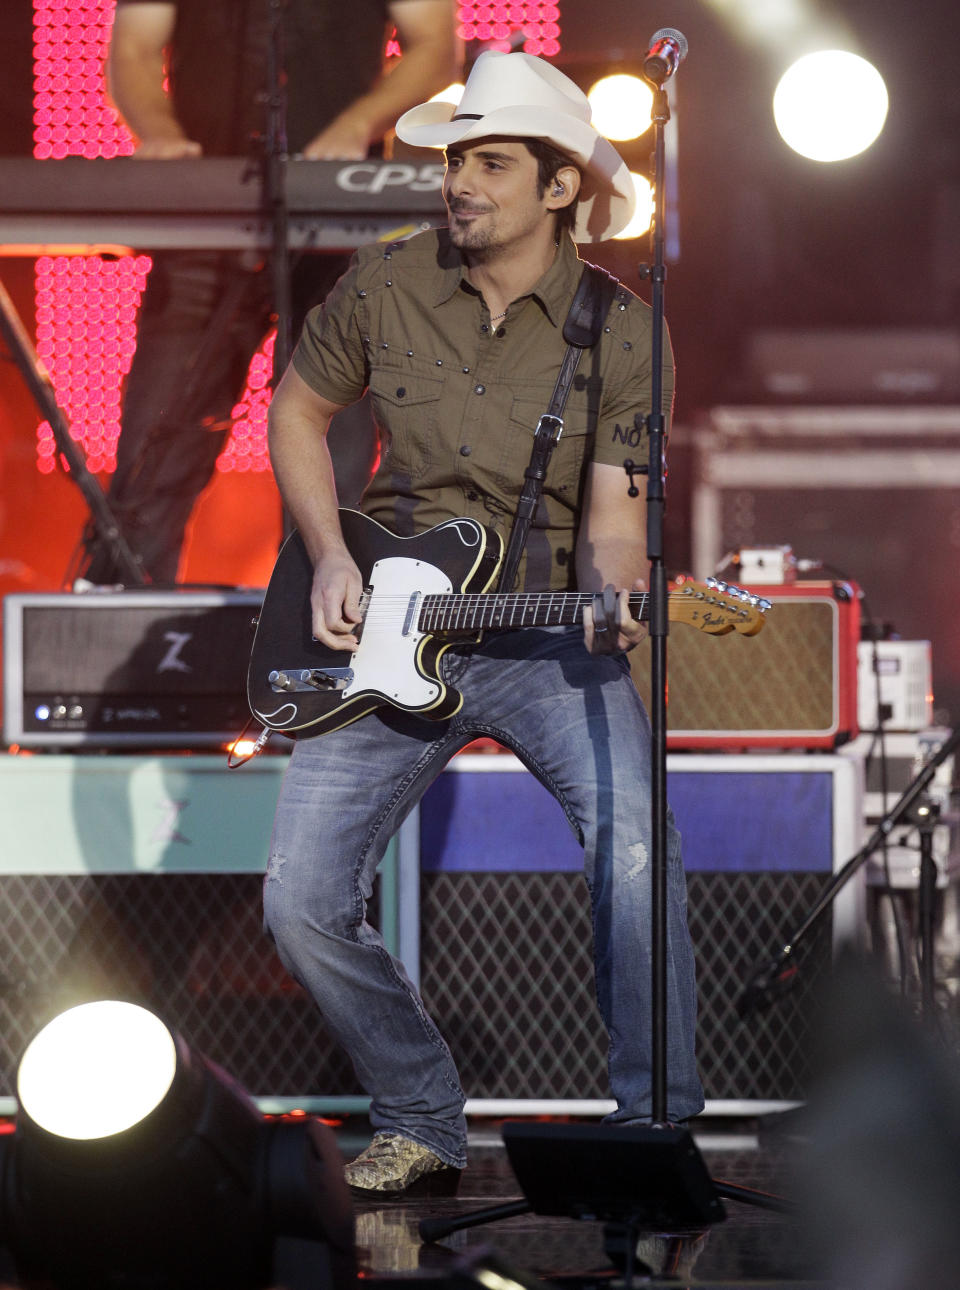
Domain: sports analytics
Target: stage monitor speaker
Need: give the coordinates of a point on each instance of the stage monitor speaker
(127, 669)
(504, 960)
(505, 929)
(614, 1173)
(793, 685)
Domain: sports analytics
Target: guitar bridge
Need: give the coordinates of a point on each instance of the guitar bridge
(300, 679)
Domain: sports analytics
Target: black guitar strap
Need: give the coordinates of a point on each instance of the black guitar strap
(581, 330)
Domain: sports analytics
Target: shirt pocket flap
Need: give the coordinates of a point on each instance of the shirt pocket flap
(402, 389)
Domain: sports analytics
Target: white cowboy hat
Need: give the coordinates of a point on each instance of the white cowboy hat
(509, 95)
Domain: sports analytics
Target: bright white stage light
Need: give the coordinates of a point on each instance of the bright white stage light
(97, 1070)
(643, 215)
(830, 105)
(621, 106)
(137, 1162)
(452, 94)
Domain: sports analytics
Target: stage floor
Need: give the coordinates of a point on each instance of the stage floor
(752, 1247)
(878, 1215)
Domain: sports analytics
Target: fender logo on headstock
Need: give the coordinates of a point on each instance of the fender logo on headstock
(718, 607)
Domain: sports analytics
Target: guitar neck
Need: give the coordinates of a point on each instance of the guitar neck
(493, 611)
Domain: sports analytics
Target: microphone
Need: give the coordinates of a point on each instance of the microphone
(668, 49)
(768, 983)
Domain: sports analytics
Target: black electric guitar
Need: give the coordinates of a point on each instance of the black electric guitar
(421, 595)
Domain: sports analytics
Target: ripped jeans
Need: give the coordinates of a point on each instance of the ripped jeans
(576, 721)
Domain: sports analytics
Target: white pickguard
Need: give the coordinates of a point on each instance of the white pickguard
(386, 659)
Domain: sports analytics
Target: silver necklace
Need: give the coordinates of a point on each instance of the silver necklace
(497, 317)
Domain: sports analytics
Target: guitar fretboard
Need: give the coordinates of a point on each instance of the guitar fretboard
(488, 611)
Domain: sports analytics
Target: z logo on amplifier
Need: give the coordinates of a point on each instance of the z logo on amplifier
(171, 661)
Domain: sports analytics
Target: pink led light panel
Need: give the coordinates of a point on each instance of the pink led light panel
(86, 335)
(533, 27)
(72, 117)
(86, 305)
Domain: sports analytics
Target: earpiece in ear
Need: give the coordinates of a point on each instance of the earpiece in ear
(558, 190)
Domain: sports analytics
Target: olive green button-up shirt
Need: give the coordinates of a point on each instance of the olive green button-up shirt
(457, 398)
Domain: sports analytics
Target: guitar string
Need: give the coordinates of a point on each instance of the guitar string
(504, 604)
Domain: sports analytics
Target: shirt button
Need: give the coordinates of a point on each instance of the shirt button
(479, 389)
(465, 450)
(473, 497)
(501, 331)
(401, 391)
(484, 327)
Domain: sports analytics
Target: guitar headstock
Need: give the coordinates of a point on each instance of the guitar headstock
(718, 607)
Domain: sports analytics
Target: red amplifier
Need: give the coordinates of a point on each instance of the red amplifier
(793, 685)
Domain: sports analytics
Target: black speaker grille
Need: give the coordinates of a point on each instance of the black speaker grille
(190, 946)
(506, 971)
(132, 645)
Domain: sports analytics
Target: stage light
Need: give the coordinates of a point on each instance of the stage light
(644, 212)
(137, 1162)
(452, 94)
(621, 106)
(121, 1059)
(830, 105)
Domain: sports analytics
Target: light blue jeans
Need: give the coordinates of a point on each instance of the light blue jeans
(576, 721)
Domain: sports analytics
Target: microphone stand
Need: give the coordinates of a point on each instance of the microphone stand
(659, 623)
(777, 976)
(656, 274)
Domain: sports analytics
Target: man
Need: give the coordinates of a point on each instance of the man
(205, 313)
(458, 336)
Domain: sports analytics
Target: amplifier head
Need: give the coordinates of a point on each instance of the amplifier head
(144, 668)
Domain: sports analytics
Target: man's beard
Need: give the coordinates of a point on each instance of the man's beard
(470, 237)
